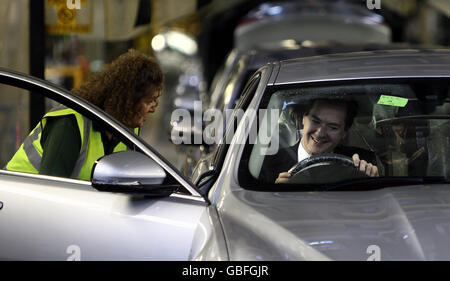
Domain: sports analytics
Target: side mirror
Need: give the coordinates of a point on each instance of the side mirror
(130, 172)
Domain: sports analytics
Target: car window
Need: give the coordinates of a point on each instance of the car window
(229, 90)
(402, 128)
(236, 117)
(218, 150)
(241, 104)
(81, 120)
(57, 145)
(14, 127)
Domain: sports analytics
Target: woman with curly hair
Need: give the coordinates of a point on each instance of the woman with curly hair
(67, 144)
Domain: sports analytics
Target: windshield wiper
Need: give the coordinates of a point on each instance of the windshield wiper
(361, 184)
(380, 182)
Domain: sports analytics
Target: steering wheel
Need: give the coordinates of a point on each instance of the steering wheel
(324, 168)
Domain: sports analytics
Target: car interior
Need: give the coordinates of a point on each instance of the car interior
(404, 138)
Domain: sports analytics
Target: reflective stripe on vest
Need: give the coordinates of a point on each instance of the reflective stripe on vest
(33, 155)
(85, 140)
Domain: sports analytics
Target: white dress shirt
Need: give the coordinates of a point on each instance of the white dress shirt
(302, 154)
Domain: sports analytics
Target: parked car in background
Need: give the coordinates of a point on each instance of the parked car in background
(137, 206)
(245, 25)
(274, 24)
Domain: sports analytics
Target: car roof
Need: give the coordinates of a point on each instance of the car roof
(326, 21)
(260, 56)
(365, 65)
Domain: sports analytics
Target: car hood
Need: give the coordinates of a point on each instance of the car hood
(401, 223)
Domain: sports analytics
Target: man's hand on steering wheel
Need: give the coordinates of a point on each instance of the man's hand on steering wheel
(367, 168)
(283, 177)
(362, 165)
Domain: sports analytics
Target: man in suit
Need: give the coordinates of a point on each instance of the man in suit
(325, 124)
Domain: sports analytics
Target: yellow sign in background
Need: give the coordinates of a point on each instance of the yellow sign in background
(60, 19)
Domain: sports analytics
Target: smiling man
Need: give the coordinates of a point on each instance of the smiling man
(325, 124)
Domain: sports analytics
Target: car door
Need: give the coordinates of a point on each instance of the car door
(53, 218)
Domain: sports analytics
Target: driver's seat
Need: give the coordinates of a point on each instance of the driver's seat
(289, 123)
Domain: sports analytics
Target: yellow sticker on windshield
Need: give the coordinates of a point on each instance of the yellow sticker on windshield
(392, 101)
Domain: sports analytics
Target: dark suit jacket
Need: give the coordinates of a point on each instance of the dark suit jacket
(287, 157)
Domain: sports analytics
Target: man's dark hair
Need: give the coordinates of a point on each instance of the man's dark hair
(351, 107)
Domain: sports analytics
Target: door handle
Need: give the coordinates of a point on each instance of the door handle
(1, 205)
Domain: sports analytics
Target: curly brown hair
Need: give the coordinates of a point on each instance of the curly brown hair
(119, 87)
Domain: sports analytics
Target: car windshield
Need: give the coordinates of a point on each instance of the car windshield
(400, 130)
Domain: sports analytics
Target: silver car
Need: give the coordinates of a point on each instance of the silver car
(137, 207)
(290, 23)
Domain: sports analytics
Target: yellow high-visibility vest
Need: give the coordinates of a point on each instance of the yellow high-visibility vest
(28, 157)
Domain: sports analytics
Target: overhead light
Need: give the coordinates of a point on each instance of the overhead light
(181, 42)
(308, 43)
(158, 43)
(289, 44)
(174, 40)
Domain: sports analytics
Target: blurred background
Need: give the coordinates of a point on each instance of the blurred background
(197, 43)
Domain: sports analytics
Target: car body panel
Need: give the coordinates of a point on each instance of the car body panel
(209, 241)
(42, 218)
(404, 223)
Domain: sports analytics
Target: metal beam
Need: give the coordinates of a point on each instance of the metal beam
(441, 5)
(37, 57)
